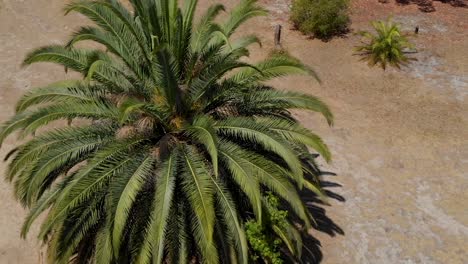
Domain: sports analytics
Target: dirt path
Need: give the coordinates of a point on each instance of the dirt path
(400, 141)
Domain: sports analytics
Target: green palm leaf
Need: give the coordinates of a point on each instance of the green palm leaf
(90, 179)
(65, 91)
(93, 110)
(231, 217)
(162, 206)
(127, 198)
(275, 66)
(248, 129)
(242, 175)
(45, 202)
(203, 132)
(59, 158)
(200, 190)
(271, 100)
(294, 132)
(269, 175)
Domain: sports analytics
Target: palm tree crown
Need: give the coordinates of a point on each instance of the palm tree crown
(179, 140)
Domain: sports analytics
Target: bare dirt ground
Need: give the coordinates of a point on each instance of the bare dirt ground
(400, 141)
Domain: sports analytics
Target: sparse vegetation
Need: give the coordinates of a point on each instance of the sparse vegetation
(321, 18)
(388, 46)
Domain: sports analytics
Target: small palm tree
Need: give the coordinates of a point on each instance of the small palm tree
(388, 46)
(179, 141)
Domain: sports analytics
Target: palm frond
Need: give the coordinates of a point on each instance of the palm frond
(154, 244)
(275, 66)
(244, 11)
(242, 175)
(52, 164)
(249, 130)
(111, 43)
(205, 28)
(269, 175)
(272, 100)
(126, 199)
(75, 59)
(104, 250)
(80, 60)
(70, 237)
(17, 122)
(43, 116)
(294, 132)
(31, 151)
(231, 218)
(245, 42)
(71, 91)
(47, 200)
(202, 131)
(105, 18)
(90, 179)
(200, 190)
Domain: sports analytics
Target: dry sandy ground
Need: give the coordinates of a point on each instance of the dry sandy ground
(400, 141)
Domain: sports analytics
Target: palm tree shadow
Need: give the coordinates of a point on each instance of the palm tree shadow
(312, 252)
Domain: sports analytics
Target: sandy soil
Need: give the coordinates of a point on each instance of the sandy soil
(400, 141)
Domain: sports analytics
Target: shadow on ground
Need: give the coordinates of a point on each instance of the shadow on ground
(312, 252)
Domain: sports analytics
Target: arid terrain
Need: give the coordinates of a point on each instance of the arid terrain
(400, 139)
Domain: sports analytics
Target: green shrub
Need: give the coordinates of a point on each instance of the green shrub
(321, 18)
(266, 243)
(265, 247)
(388, 46)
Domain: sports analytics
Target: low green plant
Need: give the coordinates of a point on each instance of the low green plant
(264, 246)
(266, 243)
(321, 18)
(388, 46)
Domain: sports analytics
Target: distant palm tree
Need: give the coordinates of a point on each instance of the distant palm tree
(388, 46)
(174, 152)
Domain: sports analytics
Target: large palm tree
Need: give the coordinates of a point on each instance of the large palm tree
(173, 142)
